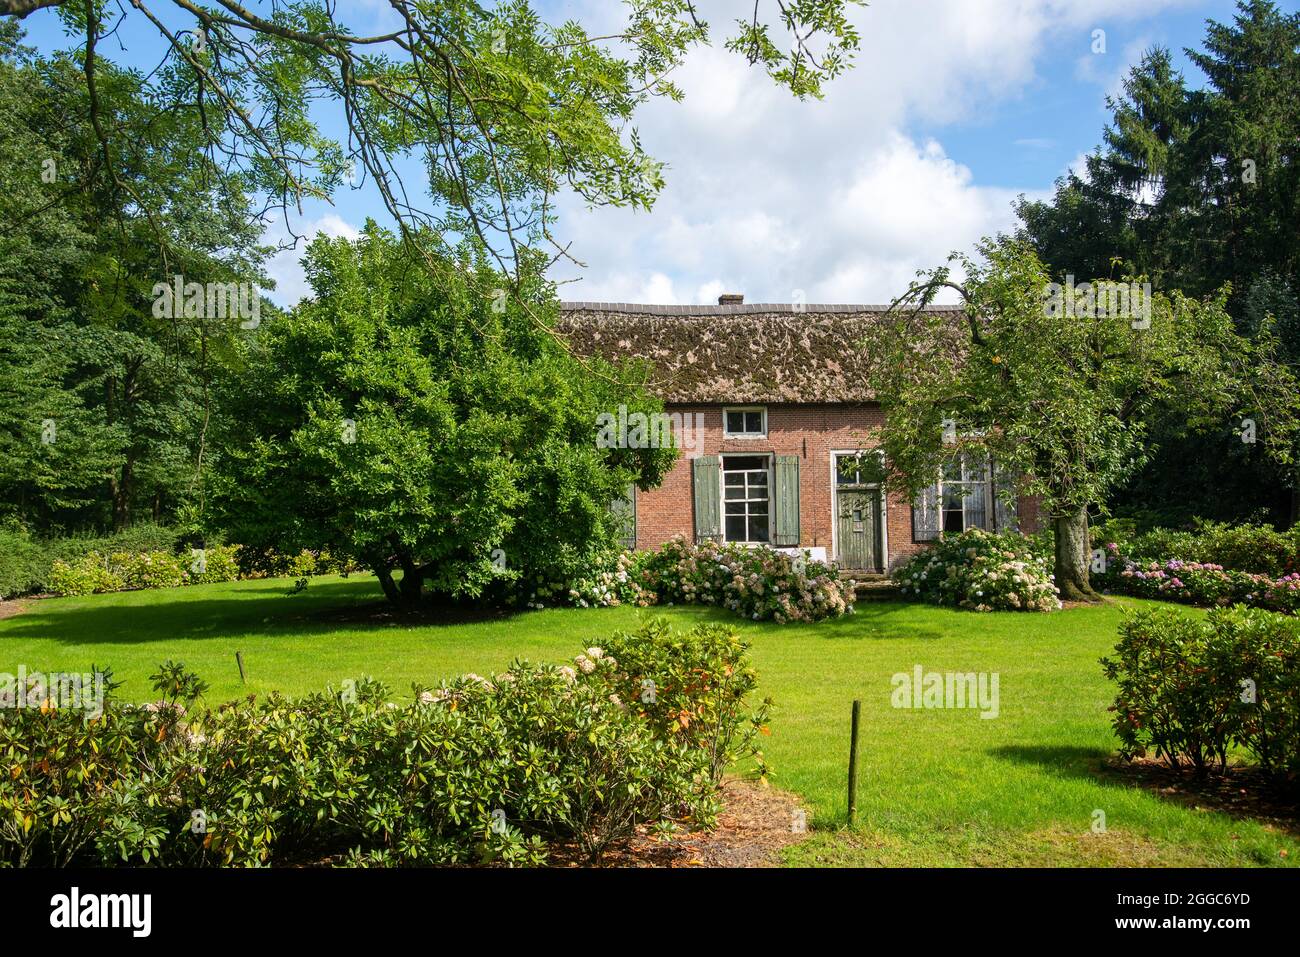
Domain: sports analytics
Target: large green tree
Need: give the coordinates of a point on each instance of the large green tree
(439, 437)
(102, 400)
(1197, 187)
(1057, 387)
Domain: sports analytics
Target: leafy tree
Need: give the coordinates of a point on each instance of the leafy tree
(403, 419)
(127, 389)
(1197, 188)
(1059, 388)
(501, 108)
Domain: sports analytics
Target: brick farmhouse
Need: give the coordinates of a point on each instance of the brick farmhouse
(784, 398)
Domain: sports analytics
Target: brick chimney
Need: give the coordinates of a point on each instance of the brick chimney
(731, 299)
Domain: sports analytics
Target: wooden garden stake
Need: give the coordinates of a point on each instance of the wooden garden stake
(853, 764)
(243, 679)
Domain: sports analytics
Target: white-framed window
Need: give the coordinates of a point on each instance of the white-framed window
(747, 498)
(967, 495)
(744, 422)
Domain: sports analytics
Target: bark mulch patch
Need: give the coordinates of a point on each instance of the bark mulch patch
(1243, 792)
(755, 824)
(10, 608)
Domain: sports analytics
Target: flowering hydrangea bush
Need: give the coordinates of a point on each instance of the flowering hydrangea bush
(1247, 548)
(616, 585)
(982, 572)
(1198, 583)
(758, 583)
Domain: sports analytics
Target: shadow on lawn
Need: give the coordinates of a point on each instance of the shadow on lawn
(324, 608)
(1243, 793)
(879, 619)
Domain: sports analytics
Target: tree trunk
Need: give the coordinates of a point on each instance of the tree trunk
(123, 489)
(412, 586)
(385, 576)
(1072, 557)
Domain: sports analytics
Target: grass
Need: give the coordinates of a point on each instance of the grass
(936, 787)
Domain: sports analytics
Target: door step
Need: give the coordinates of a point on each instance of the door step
(874, 587)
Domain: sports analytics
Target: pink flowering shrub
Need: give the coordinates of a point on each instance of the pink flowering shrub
(981, 571)
(1197, 583)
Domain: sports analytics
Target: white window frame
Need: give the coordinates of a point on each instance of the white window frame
(743, 436)
(981, 487)
(722, 497)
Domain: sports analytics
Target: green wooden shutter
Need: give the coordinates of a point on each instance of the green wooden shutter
(1006, 513)
(706, 472)
(787, 501)
(624, 510)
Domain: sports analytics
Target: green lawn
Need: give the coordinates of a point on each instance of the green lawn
(937, 787)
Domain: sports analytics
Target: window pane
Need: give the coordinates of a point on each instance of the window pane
(735, 421)
(758, 528)
(952, 520)
(952, 495)
(735, 528)
(735, 508)
(735, 492)
(744, 463)
(754, 422)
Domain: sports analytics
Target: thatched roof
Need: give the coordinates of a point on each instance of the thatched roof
(761, 353)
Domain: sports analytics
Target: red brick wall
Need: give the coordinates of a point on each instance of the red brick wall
(811, 432)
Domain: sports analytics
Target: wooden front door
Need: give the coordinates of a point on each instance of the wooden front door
(858, 534)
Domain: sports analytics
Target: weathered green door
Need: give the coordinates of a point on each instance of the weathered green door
(858, 535)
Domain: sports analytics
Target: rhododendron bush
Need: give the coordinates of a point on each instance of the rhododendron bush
(501, 769)
(982, 572)
(1190, 689)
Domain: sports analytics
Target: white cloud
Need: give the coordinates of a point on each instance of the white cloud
(285, 267)
(767, 195)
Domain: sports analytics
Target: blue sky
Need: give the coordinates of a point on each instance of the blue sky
(955, 107)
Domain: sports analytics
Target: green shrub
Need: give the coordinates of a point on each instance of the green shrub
(981, 571)
(1257, 549)
(477, 770)
(692, 688)
(23, 566)
(1189, 689)
(88, 575)
(216, 563)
